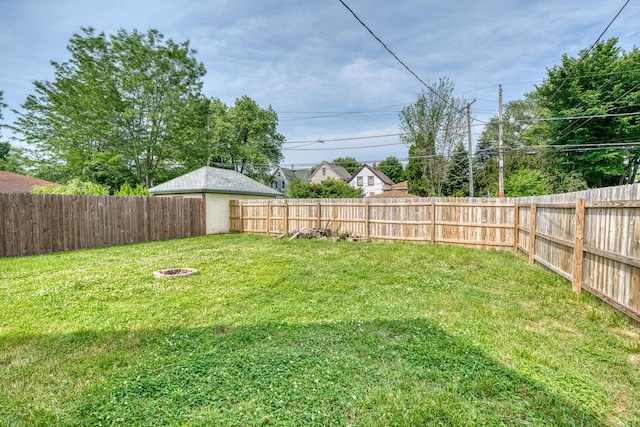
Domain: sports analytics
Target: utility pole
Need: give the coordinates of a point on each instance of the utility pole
(469, 148)
(500, 146)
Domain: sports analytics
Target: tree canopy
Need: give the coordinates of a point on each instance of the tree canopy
(593, 99)
(327, 189)
(432, 126)
(112, 112)
(349, 163)
(128, 108)
(457, 182)
(392, 168)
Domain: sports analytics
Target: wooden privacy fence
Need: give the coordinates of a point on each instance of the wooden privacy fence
(481, 225)
(33, 224)
(594, 244)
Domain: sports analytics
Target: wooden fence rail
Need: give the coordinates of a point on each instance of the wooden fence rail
(594, 244)
(474, 224)
(32, 224)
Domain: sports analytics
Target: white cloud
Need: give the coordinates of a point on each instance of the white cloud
(315, 57)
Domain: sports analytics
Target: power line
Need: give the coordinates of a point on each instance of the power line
(587, 52)
(399, 60)
(321, 140)
(594, 116)
(343, 148)
(528, 150)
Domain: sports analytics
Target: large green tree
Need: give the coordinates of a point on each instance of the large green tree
(113, 112)
(243, 137)
(525, 141)
(12, 159)
(457, 182)
(434, 125)
(327, 189)
(349, 163)
(247, 137)
(392, 168)
(518, 130)
(593, 100)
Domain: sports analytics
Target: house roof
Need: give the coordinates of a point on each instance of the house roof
(404, 185)
(381, 176)
(338, 170)
(303, 174)
(214, 180)
(11, 182)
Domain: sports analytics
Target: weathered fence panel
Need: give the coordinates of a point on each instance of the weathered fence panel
(591, 238)
(468, 223)
(43, 223)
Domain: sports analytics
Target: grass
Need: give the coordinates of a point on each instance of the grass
(303, 332)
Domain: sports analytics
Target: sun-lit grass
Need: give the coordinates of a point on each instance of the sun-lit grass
(274, 332)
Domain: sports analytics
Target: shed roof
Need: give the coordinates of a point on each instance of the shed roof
(214, 180)
(11, 182)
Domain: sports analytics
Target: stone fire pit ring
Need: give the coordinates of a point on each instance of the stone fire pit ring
(174, 273)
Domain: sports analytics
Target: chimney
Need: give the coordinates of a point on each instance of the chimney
(292, 168)
(374, 165)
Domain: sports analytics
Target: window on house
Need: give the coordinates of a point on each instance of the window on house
(283, 185)
(359, 181)
(369, 180)
(324, 171)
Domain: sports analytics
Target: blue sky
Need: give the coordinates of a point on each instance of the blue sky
(323, 73)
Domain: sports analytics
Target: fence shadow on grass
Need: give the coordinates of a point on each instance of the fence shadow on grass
(365, 373)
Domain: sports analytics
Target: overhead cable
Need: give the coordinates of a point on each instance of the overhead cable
(587, 52)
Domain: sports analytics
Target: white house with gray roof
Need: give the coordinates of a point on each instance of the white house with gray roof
(218, 187)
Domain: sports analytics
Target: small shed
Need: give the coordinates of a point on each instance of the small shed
(218, 187)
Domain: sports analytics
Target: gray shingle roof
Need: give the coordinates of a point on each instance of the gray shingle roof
(214, 180)
(338, 170)
(303, 174)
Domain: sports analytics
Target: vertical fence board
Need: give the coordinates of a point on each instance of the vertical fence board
(578, 246)
(532, 234)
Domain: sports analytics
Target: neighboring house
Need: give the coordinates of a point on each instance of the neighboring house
(371, 180)
(218, 187)
(11, 182)
(401, 187)
(328, 170)
(282, 177)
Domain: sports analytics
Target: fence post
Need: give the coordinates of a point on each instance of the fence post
(240, 220)
(516, 225)
(433, 223)
(532, 234)
(285, 217)
(268, 217)
(319, 215)
(366, 220)
(578, 247)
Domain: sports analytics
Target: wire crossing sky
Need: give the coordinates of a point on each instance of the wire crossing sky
(336, 91)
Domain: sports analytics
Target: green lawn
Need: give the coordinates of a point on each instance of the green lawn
(273, 332)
